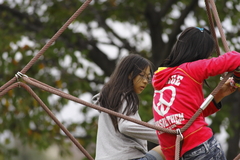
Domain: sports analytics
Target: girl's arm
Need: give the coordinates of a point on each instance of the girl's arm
(202, 69)
(225, 90)
(137, 131)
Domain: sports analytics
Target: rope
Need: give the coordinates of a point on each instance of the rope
(4, 88)
(178, 144)
(215, 13)
(34, 95)
(49, 43)
(210, 19)
(53, 90)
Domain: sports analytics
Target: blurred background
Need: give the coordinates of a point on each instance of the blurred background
(84, 56)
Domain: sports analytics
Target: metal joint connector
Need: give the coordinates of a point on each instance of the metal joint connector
(179, 133)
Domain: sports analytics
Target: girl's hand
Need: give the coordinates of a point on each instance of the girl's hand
(225, 90)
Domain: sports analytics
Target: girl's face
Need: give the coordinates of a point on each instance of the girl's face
(141, 80)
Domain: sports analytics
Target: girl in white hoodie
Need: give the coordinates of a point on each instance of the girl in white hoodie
(119, 139)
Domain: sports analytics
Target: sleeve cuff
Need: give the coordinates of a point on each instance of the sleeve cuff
(218, 105)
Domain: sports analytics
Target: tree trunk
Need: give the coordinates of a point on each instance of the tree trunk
(234, 126)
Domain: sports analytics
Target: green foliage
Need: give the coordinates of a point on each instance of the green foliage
(145, 108)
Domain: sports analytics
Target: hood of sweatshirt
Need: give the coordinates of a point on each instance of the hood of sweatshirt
(161, 76)
(95, 99)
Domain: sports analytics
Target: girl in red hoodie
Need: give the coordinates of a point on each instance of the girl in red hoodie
(179, 94)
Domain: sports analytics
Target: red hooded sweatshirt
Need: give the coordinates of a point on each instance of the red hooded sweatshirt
(178, 94)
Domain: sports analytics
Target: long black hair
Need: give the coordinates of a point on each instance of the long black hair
(120, 88)
(193, 44)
